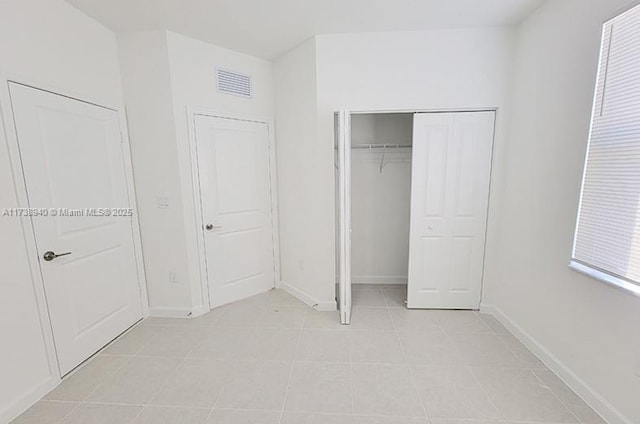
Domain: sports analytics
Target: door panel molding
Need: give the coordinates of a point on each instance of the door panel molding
(452, 162)
(40, 118)
(192, 113)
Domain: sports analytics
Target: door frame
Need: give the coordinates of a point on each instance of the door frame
(345, 174)
(9, 132)
(493, 109)
(192, 112)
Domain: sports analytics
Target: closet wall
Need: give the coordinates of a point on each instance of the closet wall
(381, 186)
(421, 70)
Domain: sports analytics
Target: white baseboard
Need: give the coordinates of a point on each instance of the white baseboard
(171, 312)
(326, 306)
(28, 399)
(376, 279)
(304, 297)
(582, 389)
(200, 310)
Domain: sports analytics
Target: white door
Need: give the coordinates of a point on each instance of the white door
(342, 127)
(451, 169)
(235, 192)
(72, 158)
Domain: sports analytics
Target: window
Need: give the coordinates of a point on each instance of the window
(607, 239)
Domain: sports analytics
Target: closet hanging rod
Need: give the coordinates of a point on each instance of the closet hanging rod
(381, 146)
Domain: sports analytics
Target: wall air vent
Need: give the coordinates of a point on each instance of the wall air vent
(232, 82)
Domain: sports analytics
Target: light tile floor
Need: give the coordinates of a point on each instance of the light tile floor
(272, 360)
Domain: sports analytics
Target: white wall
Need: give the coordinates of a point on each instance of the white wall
(48, 44)
(398, 70)
(163, 74)
(380, 201)
(192, 66)
(301, 222)
(382, 128)
(146, 83)
(590, 328)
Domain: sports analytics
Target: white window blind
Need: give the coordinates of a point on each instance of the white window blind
(607, 236)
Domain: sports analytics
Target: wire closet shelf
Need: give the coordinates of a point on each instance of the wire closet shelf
(380, 146)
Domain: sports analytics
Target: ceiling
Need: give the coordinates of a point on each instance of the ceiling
(268, 28)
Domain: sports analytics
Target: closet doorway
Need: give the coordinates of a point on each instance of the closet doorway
(412, 197)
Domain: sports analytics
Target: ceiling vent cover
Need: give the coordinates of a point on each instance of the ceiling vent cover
(232, 82)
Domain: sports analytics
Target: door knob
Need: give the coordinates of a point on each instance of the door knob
(49, 256)
(210, 227)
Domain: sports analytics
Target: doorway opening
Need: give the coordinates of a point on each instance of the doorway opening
(412, 195)
(381, 146)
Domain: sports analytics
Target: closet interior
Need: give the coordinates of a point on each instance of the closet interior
(381, 147)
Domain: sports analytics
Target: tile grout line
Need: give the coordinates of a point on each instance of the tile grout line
(215, 404)
(68, 414)
(83, 401)
(129, 357)
(350, 366)
(553, 392)
(212, 409)
(527, 368)
(293, 362)
(388, 308)
(409, 367)
(130, 404)
(162, 386)
(470, 370)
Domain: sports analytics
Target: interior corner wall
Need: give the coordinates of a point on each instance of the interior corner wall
(305, 187)
(164, 74)
(423, 70)
(591, 329)
(144, 61)
(51, 45)
(192, 68)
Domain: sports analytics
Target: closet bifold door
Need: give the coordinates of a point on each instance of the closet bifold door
(451, 168)
(342, 126)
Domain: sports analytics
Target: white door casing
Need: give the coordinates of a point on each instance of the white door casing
(235, 198)
(451, 170)
(72, 158)
(342, 126)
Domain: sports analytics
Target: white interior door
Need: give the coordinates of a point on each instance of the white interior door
(72, 158)
(233, 167)
(451, 169)
(342, 126)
